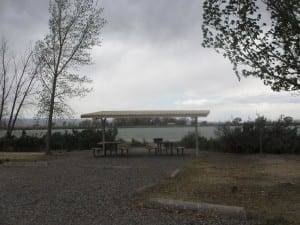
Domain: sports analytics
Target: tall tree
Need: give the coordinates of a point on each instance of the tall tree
(261, 38)
(74, 28)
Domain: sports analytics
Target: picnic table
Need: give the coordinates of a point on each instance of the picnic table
(171, 146)
(111, 146)
(167, 146)
(159, 143)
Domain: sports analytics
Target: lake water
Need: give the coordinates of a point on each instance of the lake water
(140, 133)
(167, 133)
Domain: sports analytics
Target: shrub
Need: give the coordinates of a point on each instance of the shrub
(26, 143)
(260, 136)
(189, 141)
(67, 140)
(136, 143)
(88, 138)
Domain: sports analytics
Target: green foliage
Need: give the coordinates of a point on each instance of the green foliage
(278, 220)
(251, 137)
(260, 136)
(4, 161)
(22, 143)
(67, 141)
(189, 141)
(88, 138)
(85, 139)
(28, 143)
(260, 38)
(136, 143)
(59, 141)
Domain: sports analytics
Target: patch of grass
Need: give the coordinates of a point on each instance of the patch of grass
(3, 161)
(21, 156)
(267, 186)
(27, 156)
(278, 220)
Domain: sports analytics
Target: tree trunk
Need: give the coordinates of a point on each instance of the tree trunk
(49, 125)
(260, 141)
(9, 129)
(3, 78)
(2, 105)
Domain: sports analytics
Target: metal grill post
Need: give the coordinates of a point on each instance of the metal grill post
(197, 136)
(103, 120)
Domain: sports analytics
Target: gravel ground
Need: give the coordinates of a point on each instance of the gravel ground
(81, 189)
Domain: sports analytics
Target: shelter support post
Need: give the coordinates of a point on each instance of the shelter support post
(197, 136)
(103, 121)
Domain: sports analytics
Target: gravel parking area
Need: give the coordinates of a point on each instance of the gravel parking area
(81, 189)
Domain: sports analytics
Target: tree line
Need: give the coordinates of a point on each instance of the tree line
(258, 136)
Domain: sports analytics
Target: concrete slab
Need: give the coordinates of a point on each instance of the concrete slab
(223, 211)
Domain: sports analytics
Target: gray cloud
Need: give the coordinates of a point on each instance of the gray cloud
(151, 58)
(23, 22)
(154, 21)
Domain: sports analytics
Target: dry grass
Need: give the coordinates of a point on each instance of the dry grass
(267, 186)
(27, 156)
(21, 156)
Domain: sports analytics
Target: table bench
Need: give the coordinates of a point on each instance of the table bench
(151, 147)
(168, 147)
(123, 148)
(180, 149)
(112, 147)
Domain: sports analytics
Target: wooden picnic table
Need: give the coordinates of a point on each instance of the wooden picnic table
(168, 146)
(159, 143)
(111, 146)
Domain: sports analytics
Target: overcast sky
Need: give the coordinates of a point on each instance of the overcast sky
(151, 58)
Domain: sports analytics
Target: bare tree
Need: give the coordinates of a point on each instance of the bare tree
(18, 78)
(74, 28)
(4, 78)
(24, 77)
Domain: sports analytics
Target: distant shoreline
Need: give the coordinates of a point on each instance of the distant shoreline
(216, 124)
(82, 128)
